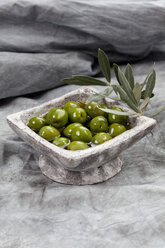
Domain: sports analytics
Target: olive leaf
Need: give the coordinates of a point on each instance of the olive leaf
(95, 97)
(126, 86)
(101, 95)
(127, 91)
(150, 85)
(118, 112)
(125, 98)
(144, 103)
(157, 112)
(137, 92)
(143, 93)
(115, 68)
(107, 91)
(84, 80)
(129, 75)
(146, 79)
(104, 64)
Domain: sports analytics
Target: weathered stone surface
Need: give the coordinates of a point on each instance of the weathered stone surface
(83, 160)
(95, 175)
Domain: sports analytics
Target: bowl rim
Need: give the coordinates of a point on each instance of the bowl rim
(142, 123)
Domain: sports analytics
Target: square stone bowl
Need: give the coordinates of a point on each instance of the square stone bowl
(93, 165)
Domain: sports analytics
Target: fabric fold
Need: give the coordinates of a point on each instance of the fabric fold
(44, 41)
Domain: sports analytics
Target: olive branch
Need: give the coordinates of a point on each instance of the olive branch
(134, 94)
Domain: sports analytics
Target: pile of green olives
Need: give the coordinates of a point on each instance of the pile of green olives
(75, 128)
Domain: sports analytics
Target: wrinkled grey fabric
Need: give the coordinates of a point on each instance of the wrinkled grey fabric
(127, 210)
(39, 39)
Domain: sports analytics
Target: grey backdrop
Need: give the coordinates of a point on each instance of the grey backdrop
(43, 41)
(40, 43)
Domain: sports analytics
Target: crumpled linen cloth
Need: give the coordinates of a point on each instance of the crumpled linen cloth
(42, 42)
(127, 210)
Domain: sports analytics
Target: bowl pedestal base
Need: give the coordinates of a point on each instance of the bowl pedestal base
(96, 175)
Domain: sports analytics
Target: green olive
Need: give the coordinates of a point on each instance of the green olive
(81, 134)
(77, 115)
(99, 124)
(57, 117)
(49, 133)
(68, 130)
(77, 145)
(105, 107)
(100, 138)
(113, 118)
(115, 129)
(93, 110)
(69, 105)
(36, 123)
(49, 114)
(61, 142)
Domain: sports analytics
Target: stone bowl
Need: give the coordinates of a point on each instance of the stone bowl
(93, 165)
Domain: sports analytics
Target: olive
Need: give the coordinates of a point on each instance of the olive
(57, 117)
(113, 118)
(36, 123)
(81, 134)
(49, 133)
(115, 129)
(100, 138)
(99, 124)
(77, 145)
(49, 115)
(77, 115)
(105, 107)
(69, 105)
(61, 142)
(93, 110)
(68, 130)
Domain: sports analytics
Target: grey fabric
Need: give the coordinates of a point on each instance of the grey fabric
(126, 211)
(65, 29)
(23, 73)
